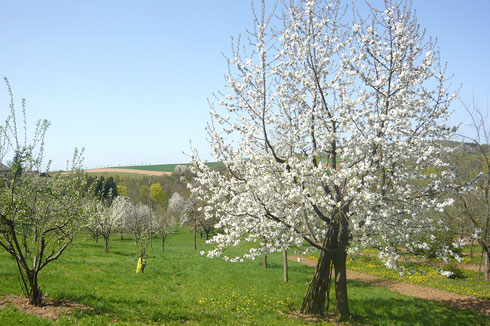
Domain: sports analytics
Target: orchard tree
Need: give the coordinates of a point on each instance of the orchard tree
(93, 222)
(138, 222)
(111, 217)
(40, 213)
(164, 223)
(326, 131)
(473, 187)
(176, 204)
(193, 214)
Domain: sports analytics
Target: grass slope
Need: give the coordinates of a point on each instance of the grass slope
(180, 286)
(162, 167)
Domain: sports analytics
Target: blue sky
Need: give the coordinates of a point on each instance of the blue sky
(129, 80)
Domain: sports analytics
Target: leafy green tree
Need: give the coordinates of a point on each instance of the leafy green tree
(40, 214)
(122, 190)
(144, 194)
(158, 195)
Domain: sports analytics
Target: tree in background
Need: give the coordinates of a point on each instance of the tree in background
(158, 195)
(93, 222)
(111, 217)
(164, 223)
(473, 186)
(137, 222)
(104, 188)
(122, 190)
(334, 123)
(193, 214)
(144, 194)
(40, 214)
(176, 204)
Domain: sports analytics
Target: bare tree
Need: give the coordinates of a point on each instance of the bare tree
(164, 223)
(473, 190)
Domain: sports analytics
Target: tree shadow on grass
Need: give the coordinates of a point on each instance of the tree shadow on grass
(377, 310)
(126, 254)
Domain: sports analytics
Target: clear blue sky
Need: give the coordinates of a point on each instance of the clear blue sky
(129, 80)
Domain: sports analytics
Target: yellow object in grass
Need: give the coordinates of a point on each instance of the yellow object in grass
(140, 268)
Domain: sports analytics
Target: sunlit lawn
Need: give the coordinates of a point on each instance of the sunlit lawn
(180, 287)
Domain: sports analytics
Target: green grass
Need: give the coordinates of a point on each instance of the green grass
(125, 175)
(180, 287)
(163, 167)
(475, 260)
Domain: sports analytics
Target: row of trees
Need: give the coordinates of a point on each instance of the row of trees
(125, 216)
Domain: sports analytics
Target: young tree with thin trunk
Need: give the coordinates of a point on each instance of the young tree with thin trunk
(473, 187)
(40, 213)
(334, 124)
(93, 224)
(138, 222)
(192, 215)
(111, 217)
(165, 223)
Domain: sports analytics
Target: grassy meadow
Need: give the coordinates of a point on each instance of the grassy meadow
(163, 167)
(180, 287)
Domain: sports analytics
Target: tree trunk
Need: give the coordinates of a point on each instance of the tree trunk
(318, 290)
(471, 249)
(487, 266)
(318, 294)
(106, 244)
(201, 235)
(96, 238)
(163, 243)
(285, 265)
(207, 234)
(35, 293)
(265, 260)
(195, 239)
(339, 260)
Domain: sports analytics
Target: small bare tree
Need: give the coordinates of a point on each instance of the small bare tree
(474, 182)
(164, 223)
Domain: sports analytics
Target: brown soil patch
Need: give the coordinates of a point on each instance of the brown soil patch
(417, 291)
(330, 317)
(49, 310)
(116, 170)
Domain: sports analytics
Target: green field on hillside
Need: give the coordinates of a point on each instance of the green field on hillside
(181, 287)
(163, 167)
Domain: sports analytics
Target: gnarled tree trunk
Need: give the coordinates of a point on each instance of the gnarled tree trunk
(317, 296)
(314, 302)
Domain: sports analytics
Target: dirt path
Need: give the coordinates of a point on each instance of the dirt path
(417, 291)
(116, 170)
(470, 267)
